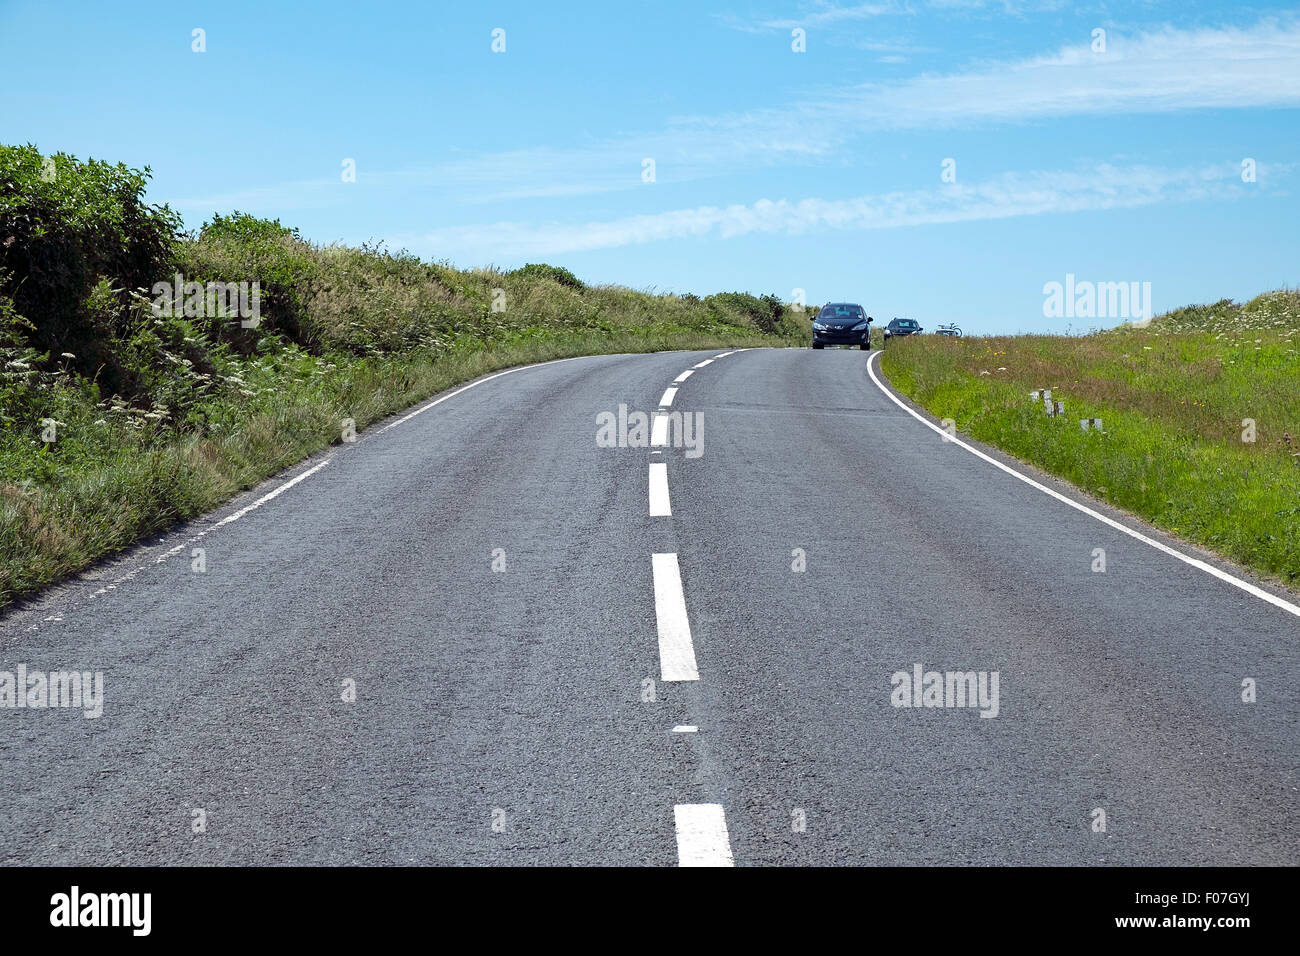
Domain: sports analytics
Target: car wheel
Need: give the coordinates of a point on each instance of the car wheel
(818, 345)
(865, 346)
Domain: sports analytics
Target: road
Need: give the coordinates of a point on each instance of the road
(466, 639)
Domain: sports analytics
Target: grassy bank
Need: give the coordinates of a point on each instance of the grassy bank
(120, 416)
(1176, 400)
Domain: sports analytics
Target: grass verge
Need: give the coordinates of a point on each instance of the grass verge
(123, 489)
(1200, 414)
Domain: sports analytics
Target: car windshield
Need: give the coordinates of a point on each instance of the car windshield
(905, 323)
(841, 312)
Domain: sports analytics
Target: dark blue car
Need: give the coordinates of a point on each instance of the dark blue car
(902, 327)
(841, 323)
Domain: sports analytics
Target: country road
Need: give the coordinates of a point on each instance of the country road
(476, 636)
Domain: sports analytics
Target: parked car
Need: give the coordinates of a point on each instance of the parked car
(841, 323)
(898, 327)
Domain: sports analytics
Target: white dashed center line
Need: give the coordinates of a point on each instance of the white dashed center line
(702, 838)
(676, 652)
(660, 507)
(659, 430)
(702, 835)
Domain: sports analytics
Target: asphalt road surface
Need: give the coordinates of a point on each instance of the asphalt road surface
(477, 636)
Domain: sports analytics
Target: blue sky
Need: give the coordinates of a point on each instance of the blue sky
(775, 170)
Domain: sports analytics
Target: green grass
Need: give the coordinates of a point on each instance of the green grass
(1172, 398)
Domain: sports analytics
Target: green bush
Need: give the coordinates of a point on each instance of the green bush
(64, 226)
(536, 270)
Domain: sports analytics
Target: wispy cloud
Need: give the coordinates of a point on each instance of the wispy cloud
(1163, 71)
(818, 15)
(1010, 195)
(824, 12)
(1156, 72)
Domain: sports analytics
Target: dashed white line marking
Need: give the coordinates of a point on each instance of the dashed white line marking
(669, 395)
(685, 729)
(704, 363)
(724, 355)
(660, 506)
(659, 430)
(676, 652)
(702, 838)
(684, 376)
(1172, 552)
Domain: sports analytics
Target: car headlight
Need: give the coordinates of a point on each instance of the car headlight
(860, 326)
(818, 327)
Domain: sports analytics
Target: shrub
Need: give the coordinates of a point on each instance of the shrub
(536, 270)
(64, 226)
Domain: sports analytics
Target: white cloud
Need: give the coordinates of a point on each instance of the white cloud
(825, 12)
(819, 15)
(1164, 71)
(1157, 72)
(1014, 194)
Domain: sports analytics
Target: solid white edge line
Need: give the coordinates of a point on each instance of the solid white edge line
(702, 838)
(660, 505)
(669, 395)
(676, 651)
(1172, 552)
(265, 498)
(269, 496)
(465, 388)
(229, 519)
